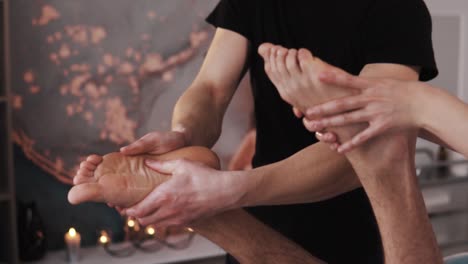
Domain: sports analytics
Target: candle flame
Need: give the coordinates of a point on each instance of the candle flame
(131, 223)
(104, 238)
(150, 230)
(189, 230)
(72, 232)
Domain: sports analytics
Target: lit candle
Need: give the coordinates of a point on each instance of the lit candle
(150, 230)
(131, 223)
(73, 241)
(104, 238)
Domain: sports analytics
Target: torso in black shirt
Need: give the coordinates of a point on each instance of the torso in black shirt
(349, 35)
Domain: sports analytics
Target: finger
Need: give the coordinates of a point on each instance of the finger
(292, 64)
(148, 205)
(311, 125)
(158, 218)
(344, 79)
(360, 138)
(143, 145)
(164, 167)
(327, 137)
(281, 62)
(334, 146)
(264, 49)
(88, 192)
(354, 117)
(337, 106)
(297, 112)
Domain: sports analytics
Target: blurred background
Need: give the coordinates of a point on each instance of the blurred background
(91, 76)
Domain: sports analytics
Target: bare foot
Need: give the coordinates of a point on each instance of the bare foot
(296, 76)
(295, 73)
(125, 180)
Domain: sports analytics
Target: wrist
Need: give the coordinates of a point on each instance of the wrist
(242, 184)
(421, 103)
(184, 132)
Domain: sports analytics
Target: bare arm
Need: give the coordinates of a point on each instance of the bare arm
(199, 111)
(446, 117)
(319, 173)
(389, 104)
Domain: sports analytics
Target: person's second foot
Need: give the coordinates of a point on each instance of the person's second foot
(295, 73)
(125, 180)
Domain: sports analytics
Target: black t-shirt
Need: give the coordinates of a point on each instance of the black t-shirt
(346, 34)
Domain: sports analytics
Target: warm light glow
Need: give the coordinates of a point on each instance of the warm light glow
(150, 230)
(72, 232)
(190, 229)
(104, 238)
(131, 223)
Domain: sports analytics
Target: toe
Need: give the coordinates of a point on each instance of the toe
(79, 179)
(292, 63)
(305, 58)
(88, 166)
(273, 70)
(264, 50)
(281, 62)
(88, 192)
(94, 159)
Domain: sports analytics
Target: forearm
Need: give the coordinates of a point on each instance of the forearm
(250, 241)
(311, 175)
(443, 116)
(197, 115)
(199, 112)
(387, 174)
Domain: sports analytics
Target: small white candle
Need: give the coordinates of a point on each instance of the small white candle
(104, 238)
(73, 241)
(149, 230)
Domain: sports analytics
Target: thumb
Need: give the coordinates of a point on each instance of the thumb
(164, 167)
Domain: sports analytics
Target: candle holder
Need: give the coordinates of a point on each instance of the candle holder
(146, 239)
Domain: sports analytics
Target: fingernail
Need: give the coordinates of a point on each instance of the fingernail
(123, 148)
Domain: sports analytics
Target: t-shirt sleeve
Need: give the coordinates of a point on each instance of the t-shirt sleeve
(232, 15)
(400, 31)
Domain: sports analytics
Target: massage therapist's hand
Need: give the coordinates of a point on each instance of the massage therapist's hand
(193, 192)
(383, 103)
(157, 143)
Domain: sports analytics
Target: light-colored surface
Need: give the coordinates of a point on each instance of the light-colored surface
(200, 249)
